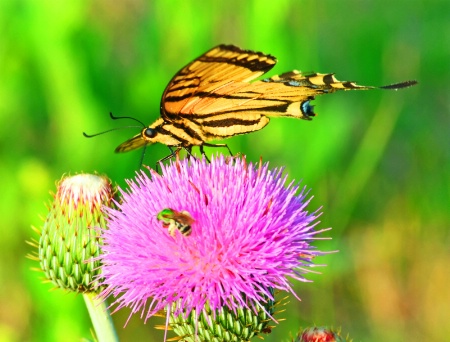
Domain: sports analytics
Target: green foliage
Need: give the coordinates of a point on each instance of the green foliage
(378, 161)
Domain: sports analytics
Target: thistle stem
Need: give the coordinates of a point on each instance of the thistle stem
(101, 319)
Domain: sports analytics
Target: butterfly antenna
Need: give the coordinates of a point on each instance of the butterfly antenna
(107, 131)
(115, 129)
(126, 117)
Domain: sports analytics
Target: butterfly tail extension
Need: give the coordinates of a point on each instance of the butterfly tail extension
(400, 85)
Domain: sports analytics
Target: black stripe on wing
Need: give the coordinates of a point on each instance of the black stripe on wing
(228, 122)
(252, 60)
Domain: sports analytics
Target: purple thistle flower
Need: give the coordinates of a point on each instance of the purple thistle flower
(250, 234)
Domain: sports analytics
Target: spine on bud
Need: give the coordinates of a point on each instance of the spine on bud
(224, 324)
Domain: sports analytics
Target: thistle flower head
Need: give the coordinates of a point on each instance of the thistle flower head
(249, 234)
(68, 244)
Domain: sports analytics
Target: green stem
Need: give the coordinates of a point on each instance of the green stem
(101, 319)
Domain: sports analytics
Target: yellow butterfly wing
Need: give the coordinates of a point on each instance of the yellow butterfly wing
(216, 69)
(213, 96)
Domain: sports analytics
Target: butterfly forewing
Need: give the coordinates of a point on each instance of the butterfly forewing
(205, 76)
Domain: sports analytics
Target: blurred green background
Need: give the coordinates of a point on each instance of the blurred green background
(377, 161)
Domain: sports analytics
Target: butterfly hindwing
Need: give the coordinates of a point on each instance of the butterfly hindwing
(242, 107)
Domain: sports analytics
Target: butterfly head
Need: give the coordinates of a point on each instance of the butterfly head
(155, 133)
(149, 133)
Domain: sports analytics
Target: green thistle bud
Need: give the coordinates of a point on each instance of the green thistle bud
(224, 325)
(69, 241)
(319, 334)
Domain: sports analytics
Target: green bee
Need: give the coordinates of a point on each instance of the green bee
(173, 220)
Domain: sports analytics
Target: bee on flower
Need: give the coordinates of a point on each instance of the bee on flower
(176, 220)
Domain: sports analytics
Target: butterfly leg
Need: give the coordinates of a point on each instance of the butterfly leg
(202, 151)
(171, 155)
(189, 151)
(215, 145)
(141, 162)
